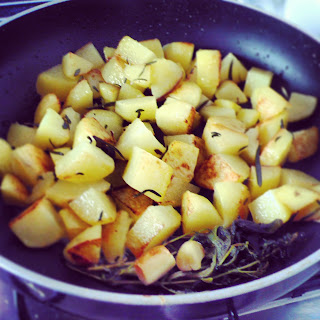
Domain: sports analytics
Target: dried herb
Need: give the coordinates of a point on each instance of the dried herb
(80, 174)
(230, 70)
(90, 139)
(147, 190)
(66, 122)
(139, 111)
(107, 148)
(59, 153)
(158, 152)
(277, 138)
(95, 88)
(77, 72)
(258, 167)
(281, 124)
(40, 178)
(242, 148)
(30, 124)
(54, 147)
(215, 134)
(100, 216)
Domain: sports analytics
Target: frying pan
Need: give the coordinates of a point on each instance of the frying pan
(37, 41)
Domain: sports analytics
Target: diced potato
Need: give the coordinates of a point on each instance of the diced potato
(87, 129)
(29, 162)
(154, 264)
(114, 237)
(20, 134)
(38, 226)
(74, 66)
(267, 208)
(134, 52)
(127, 91)
(94, 207)
(295, 197)
(221, 167)
(108, 52)
(268, 102)
(221, 139)
(113, 71)
(49, 101)
(231, 123)
(95, 79)
(90, 53)
(131, 201)
(52, 132)
(54, 81)
(154, 226)
(198, 213)
(137, 134)
(270, 180)
(305, 144)
(63, 192)
(301, 106)
(208, 71)
(249, 153)
(229, 90)
(232, 66)
(227, 104)
(146, 172)
(5, 157)
(85, 248)
(72, 118)
(165, 77)
(231, 207)
(277, 149)
(182, 157)
(80, 98)
(179, 52)
(139, 74)
(249, 117)
(257, 78)
(72, 223)
(109, 92)
(155, 46)
(297, 177)
(215, 111)
(187, 91)
(190, 255)
(269, 128)
(84, 163)
(143, 108)
(13, 191)
(175, 117)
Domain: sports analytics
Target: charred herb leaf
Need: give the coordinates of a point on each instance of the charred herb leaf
(108, 148)
(147, 190)
(215, 134)
(258, 167)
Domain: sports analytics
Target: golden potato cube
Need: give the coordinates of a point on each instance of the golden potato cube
(295, 197)
(304, 144)
(249, 117)
(54, 81)
(297, 177)
(113, 71)
(276, 151)
(13, 191)
(269, 128)
(182, 157)
(90, 53)
(270, 179)
(29, 162)
(231, 123)
(227, 104)
(221, 139)
(216, 111)
(114, 237)
(80, 98)
(133, 52)
(187, 91)
(301, 106)
(153, 227)
(127, 91)
(131, 201)
(146, 173)
(139, 74)
(257, 78)
(53, 131)
(155, 46)
(308, 213)
(208, 70)
(137, 134)
(179, 52)
(94, 207)
(72, 223)
(49, 101)
(154, 264)
(20, 134)
(231, 207)
(39, 225)
(190, 255)
(74, 66)
(165, 77)
(109, 92)
(72, 118)
(84, 163)
(268, 102)
(221, 167)
(229, 90)
(85, 248)
(63, 192)
(143, 108)
(108, 52)
(198, 213)
(267, 208)
(249, 153)
(5, 157)
(95, 79)
(231, 65)
(175, 117)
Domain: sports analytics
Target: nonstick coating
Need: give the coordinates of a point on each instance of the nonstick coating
(38, 41)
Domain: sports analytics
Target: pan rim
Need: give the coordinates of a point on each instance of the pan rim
(158, 300)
